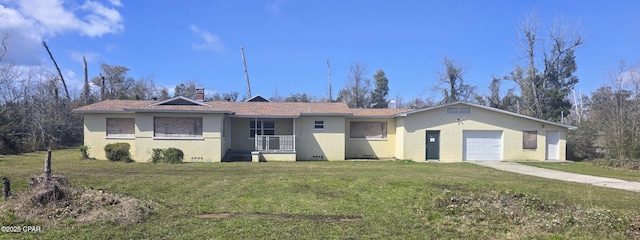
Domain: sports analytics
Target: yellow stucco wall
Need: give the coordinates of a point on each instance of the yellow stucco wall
(327, 144)
(400, 138)
(414, 127)
(95, 134)
(205, 149)
(240, 139)
(378, 148)
(276, 157)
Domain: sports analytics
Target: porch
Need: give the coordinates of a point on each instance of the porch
(274, 148)
(266, 139)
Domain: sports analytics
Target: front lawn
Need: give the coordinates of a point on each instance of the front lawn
(332, 200)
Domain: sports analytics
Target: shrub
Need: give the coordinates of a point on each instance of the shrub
(167, 155)
(118, 152)
(84, 149)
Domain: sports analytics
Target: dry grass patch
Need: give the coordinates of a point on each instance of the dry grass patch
(503, 213)
(56, 202)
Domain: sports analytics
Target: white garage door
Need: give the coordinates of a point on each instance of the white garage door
(482, 145)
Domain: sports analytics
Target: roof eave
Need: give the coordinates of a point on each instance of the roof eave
(98, 111)
(264, 116)
(177, 111)
(326, 114)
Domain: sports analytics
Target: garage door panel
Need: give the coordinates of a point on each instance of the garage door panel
(482, 145)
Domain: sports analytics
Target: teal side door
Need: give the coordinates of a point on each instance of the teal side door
(432, 145)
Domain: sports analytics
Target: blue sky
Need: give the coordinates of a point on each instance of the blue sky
(287, 42)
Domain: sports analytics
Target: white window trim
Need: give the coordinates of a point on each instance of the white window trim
(110, 137)
(178, 138)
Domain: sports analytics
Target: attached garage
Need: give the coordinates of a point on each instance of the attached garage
(482, 145)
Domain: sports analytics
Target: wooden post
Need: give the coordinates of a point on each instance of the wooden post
(6, 191)
(47, 165)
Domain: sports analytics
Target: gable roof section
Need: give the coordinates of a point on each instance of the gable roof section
(490, 109)
(179, 100)
(257, 98)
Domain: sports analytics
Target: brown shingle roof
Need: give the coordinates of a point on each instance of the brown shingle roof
(248, 109)
(382, 112)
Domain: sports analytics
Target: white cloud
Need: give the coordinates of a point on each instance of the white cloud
(211, 41)
(52, 17)
(116, 3)
(28, 22)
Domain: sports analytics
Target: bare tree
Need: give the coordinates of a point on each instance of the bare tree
(3, 48)
(357, 87)
(455, 89)
(114, 82)
(547, 78)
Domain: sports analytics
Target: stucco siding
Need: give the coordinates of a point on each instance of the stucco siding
(400, 138)
(208, 148)
(95, 134)
(384, 148)
(452, 126)
(326, 144)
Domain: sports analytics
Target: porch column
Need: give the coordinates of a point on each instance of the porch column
(255, 134)
(294, 134)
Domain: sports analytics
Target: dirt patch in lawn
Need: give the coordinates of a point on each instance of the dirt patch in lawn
(339, 218)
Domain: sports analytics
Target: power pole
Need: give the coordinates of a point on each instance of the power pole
(329, 70)
(246, 73)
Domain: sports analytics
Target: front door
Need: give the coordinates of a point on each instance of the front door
(553, 150)
(433, 145)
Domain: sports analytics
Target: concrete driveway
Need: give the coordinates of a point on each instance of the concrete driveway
(560, 175)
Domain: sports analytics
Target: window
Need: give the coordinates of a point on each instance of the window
(181, 127)
(529, 139)
(458, 110)
(262, 128)
(121, 127)
(318, 125)
(368, 130)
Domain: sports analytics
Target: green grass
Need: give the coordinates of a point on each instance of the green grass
(590, 169)
(395, 200)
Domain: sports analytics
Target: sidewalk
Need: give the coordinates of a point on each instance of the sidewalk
(560, 175)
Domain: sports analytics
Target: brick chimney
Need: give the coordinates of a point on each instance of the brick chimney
(200, 94)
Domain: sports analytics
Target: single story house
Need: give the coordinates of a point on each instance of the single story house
(215, 131)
